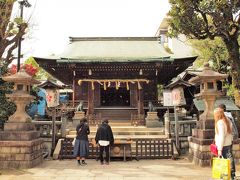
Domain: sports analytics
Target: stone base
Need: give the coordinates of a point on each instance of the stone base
(10, 126)
(19, 135)
(153, 124)
(203, 133)
(20, 154)
(206, 124)
(152, 120)
(19, 132)
(200, 154)
(199, 151)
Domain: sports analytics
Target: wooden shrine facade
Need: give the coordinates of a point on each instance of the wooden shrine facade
(114, 77)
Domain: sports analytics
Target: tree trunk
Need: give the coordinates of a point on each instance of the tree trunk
(234, 60)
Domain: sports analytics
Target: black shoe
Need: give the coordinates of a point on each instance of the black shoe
(79, 163)
(84, 163)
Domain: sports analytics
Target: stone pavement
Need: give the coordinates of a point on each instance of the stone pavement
(117, 170)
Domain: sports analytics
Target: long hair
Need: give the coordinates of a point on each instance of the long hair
(219, 115)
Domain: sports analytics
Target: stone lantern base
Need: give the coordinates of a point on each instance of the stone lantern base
(20, 146)
(152, 120)
(199, 143)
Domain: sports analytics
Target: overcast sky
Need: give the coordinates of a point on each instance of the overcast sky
(53, 21)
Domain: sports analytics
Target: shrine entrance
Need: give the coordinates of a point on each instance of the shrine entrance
(115, 97)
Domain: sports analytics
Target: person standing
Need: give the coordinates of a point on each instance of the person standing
(81, 146)
(230, 117)
(224, 138)
(104, 137)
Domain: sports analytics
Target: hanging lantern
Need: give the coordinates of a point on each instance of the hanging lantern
(141, 72)
(156, 72)
(89, 72)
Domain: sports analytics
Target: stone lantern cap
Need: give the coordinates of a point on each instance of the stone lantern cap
(206, 75)
(21, 77)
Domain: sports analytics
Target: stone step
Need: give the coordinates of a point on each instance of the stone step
(123, 137)
(128, 131)
(127, 134)
(130, 128)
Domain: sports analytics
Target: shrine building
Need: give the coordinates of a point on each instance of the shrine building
(116, 77)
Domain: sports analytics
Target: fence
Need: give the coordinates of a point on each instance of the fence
(154, 149)
(145, 149)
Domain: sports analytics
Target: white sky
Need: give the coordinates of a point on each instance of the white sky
(53, 21)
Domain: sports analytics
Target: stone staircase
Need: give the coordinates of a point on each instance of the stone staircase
(127, 132)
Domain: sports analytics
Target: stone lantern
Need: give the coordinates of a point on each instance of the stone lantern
(203, 135)
(20, 144)
(21, 95)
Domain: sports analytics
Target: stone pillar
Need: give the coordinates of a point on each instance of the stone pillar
(64, 125)
(152, 120)
(167, 124)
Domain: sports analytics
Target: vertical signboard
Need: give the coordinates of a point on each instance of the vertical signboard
(167, 98)
(52, 97)
(178, 97)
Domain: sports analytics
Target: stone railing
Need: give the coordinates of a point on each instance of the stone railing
(184, 129)
(45, 127)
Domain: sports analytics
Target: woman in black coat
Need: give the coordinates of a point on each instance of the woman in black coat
(81, 146)
(104, 137)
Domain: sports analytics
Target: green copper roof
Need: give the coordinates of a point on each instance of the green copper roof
(230, 106)
(117, 49)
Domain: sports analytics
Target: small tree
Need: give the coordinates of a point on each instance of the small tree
(10, 31)
(10, 34)
(202, 19)
(6, 108)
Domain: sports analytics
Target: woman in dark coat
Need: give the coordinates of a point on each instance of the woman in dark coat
(104, 137)
(81, 145)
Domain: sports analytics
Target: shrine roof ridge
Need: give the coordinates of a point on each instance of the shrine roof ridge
(72, 39)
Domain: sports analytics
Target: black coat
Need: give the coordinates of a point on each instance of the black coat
(82, 131)
(104, 132)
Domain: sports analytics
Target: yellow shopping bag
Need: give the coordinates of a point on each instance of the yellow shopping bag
(221, 168)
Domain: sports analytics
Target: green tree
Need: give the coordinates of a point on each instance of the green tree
(202, 19)
(215, 52)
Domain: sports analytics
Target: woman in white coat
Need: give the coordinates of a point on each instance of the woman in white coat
(224, 138)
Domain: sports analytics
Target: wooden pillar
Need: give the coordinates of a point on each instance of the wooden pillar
(73, 94)
(90, 99)
(140, 102)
